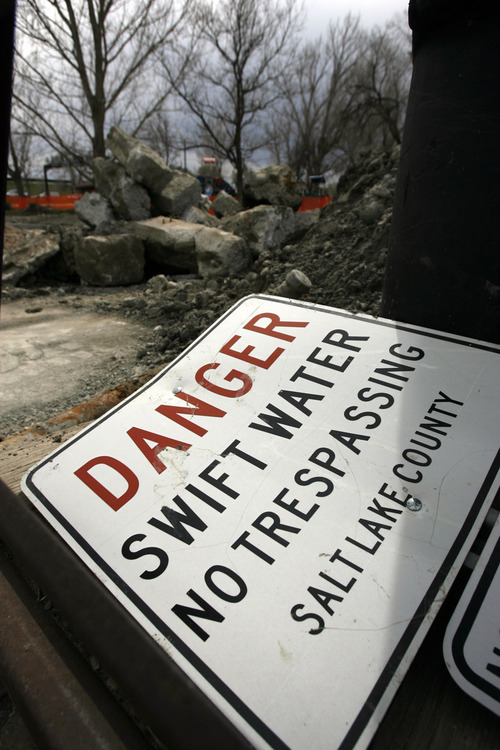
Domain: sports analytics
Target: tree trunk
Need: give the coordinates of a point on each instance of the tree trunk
(443, 267)
(15, 173)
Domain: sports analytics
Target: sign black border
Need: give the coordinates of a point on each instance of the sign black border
(463, 630)
(360, 723)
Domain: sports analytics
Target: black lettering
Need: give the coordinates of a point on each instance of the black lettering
(383, 511)
(177, 521)
(343, 586)
(432, 424)
(222, 593)
(299, 400)
(327, 463)
(207, 612)
(235, 451)
(308, 616)
(435, 442)
(373, 527)
(351, 415)
(393, 370)
(130, 554)
(337, 556)
(392, 495)
(413, 480)
(206, 498)
(270, 531)
(394, 386)
(348, 439)
(275, 425)
(327, 361)
(292, 506)
(412, 353)
(324, 598)
(242, 541)
(218, 482)
(370, 550)
(342, 339)
(329, 486)
(389, 398)
(301, 373)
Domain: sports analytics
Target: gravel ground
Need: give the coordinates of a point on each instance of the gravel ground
(343, 256)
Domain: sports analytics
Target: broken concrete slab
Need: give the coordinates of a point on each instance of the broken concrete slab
(130, 200)
(113, 260)
(140, 161)
(181, 191)
(94, 209)
(197, 215)
(225, 205)
(169, 242)
(275, 185)
(171, 190)
(32, 249)
(208, 251)
(263, 227)
(221, 253)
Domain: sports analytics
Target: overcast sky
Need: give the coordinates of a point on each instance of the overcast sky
(320, 12)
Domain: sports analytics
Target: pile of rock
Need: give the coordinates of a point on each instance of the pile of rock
(144, 212)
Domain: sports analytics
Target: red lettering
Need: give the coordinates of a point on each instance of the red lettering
(245, 355)
(233, 375)
(140, 438)
(275, 322)
(93, 484)
(195, 407)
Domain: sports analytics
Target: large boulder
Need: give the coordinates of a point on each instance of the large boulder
(171, 190)
(263, 227)
(94, 210)
(129, 200)
(26, 251)
(208, 251)
(221, 253)
(225, 205)
(169, 242)
(197, 215)
(181, 191)
(276, 185)
(113, 260)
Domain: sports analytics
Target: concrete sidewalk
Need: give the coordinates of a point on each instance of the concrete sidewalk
(53, 358)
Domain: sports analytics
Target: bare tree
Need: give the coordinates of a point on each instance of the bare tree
(348, 93)
(243, 48)
(382, 85)
(90, 63)
(310, 126)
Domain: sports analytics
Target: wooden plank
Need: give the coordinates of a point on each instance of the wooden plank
(19, 453)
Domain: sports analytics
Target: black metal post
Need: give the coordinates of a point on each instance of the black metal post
(443, 268)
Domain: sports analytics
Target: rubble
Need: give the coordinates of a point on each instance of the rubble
(264, 227)
(275, 185)
(225, 205)
(129, 200)
(94, 209)
(342, 256)
(26, 256)
(114, 260)
(209, 251)
(171, 191)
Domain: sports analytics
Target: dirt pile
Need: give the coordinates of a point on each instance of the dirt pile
(343, 256)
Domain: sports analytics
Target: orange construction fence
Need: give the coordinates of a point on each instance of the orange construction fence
(310, 202)
(50, 201)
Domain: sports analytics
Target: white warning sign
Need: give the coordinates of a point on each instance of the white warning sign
(284, 507)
